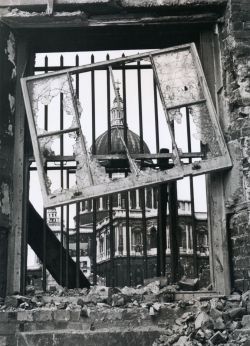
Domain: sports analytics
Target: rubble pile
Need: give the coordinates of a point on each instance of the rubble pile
(206, 320)
(217, 321)
(156, 291)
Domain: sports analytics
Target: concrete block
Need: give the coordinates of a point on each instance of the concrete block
(25, 316)
(202, 320)
(76, 326)
(3, 316)
(12, 315)
(236, 313)
(75, 315)
(9, 328)
(3, 341)
(43, 315)
(246, 321)
(47, 325)
(218, 338)
(61, 315)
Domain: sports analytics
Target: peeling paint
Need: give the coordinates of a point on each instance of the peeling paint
(12, 103)
(5, 200)
(11, 52)
(10, 130)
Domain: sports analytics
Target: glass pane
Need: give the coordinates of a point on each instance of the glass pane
(178, 78)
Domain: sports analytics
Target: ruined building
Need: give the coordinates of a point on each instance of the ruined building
(220, 30)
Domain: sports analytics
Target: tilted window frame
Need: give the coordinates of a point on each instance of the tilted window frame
(178, 171)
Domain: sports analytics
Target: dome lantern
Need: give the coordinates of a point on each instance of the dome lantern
(117, 114)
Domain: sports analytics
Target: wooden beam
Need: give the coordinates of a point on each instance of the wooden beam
(218, 238)
(80, 19)
(123, 3)
(17, 253)
(35, 240)
(39, 3)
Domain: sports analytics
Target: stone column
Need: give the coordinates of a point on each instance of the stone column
(187, 238)
(137, 199)
(101, 203)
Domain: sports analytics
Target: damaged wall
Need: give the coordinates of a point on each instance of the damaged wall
(235, 44)
(235, 36)
(7, 109)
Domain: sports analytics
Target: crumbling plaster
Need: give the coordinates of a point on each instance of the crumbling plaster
(5, 199)
(7, 113)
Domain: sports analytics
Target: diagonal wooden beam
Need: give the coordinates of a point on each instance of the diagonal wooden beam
(35, 240)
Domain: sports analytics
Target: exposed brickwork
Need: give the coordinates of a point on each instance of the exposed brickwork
(236, 74)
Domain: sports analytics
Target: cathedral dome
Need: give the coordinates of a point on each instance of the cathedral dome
(117, 130)
(117, 147)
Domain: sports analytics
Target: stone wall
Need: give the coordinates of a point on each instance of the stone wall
(7, 109)
(235, 36)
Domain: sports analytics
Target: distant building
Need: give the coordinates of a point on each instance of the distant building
(136, 227)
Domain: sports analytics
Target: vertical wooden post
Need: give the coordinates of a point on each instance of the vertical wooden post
(173, 231)
(162, 222)
(15, 56)
(217, 226)
(162, 219)
(6, 154)
(218, 239)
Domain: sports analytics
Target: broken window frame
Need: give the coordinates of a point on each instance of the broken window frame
(135, 180)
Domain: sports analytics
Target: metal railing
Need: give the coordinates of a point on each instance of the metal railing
(162, 209)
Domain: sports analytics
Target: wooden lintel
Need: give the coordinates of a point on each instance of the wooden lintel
(44, 20)
(80, 19)
(123, 3)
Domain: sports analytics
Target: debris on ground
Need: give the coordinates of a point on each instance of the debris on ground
(223, 321)
(204, 320)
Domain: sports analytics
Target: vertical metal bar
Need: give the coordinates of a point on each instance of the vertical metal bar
(67, 236)
(46, 61)
(77, 204)
(128, 240)
(140, 105)
(93, 105)
(77, 76)
(144, 234)
(173, 224)
(111, 237)
(157, 141)
(61, 179)
(108, 108)
(44, 284)
(173, 231)
(94, 243)
(77, 244)
(194, 235)
(44, 248)
(124, 102)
